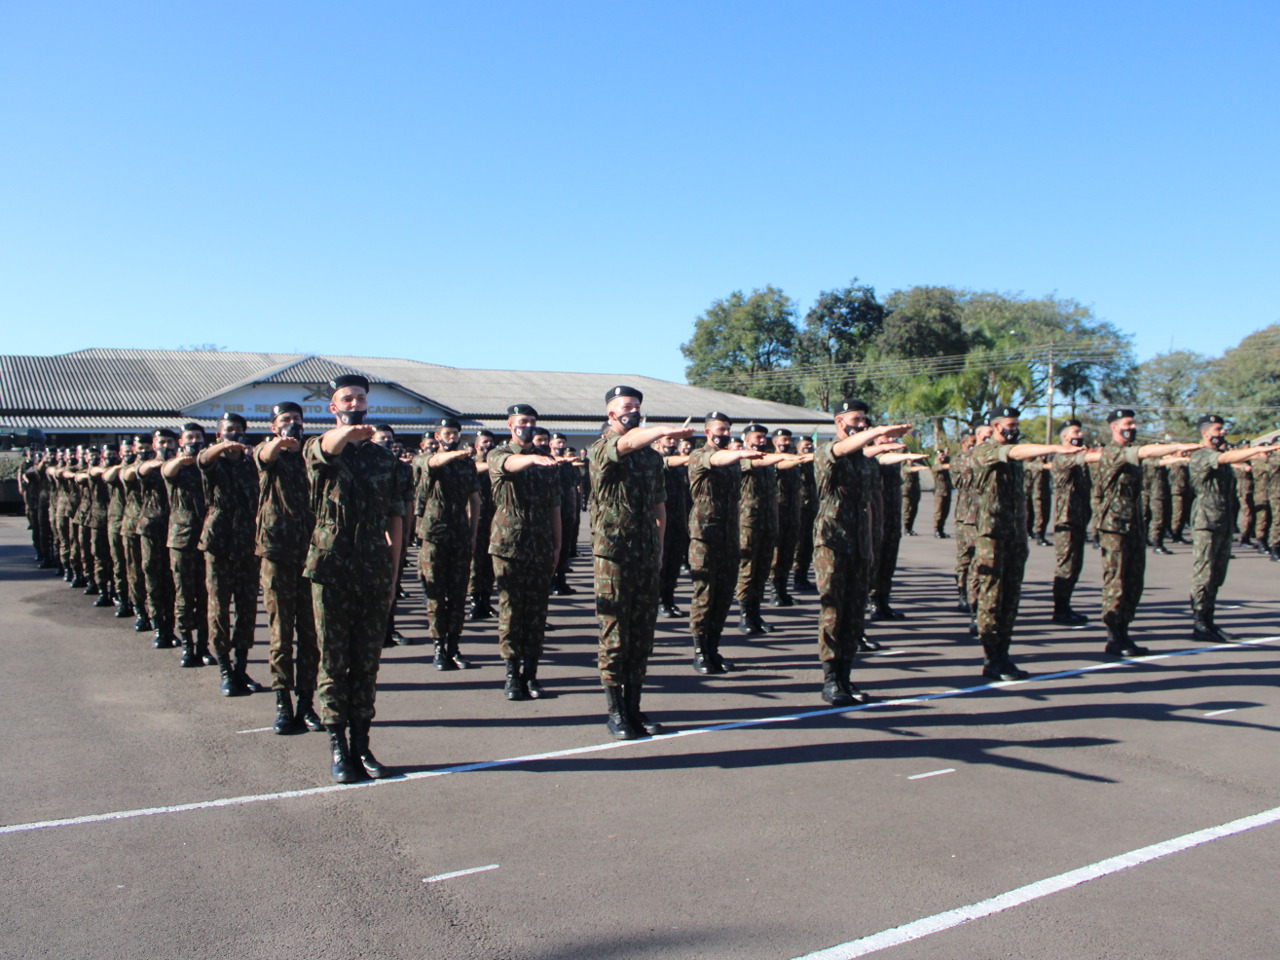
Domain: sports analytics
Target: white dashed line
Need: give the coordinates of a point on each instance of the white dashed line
(1218, 713)
(458, 873)
(932, 773)
(255, 730)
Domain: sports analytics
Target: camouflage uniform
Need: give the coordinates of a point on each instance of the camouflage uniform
(943, 485)
(1211, 537)
(1179, 499)
(966, 522)
(890, 535)
(1121, 533)
(1273, 502)
(713, 555)
(153, 528)
(285, 524)
(570, 498)
(80, 530)
(231, 572)
(186, 522)
(1262, 470)
(842, 540)
(808, 513)
(522, 545)
(133, 542)
(116, 543)
(354, 496)
(1039, 484)
(790, 492)
(48, 549)
(1156, 479)
(675, 538)
(910, 500)
(625, 543)
(757, 532)
(99, 495)
(1244, 501)
(1072, 490)
(1000, 545)
(441, 501)
(481, 583)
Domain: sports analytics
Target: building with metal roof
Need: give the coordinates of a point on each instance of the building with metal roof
(100, 395)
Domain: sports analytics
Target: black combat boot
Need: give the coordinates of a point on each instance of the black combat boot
(941, 534)
(619, 724)
(441, 659)
(1203, 631)
(250, 685)
(305, 711)
(757, 620)
(962, 605)
(701, 661)
(667, 608)
(1062, 612)
(747, 625)
(360, 751)
(529, 676)
(560, 586)
(1118, 642)
(286, 722)
(104, 600)
(91, 589)
(1159, 547)
(163, 639)
(124, 609)
(717, 663)
(780, 596)
(480, 609)
(459, 661)
(835, 689)
(143, 623)
(1274, 553)
(801, 583)
(202, 647)
(231, 685)
(867, 645)
(631, 697)
(514, 688)
(886, 612)
(78, 581)
(189, 656)
(342, 769)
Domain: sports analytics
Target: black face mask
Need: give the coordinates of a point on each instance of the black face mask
(192, 448)
(130, 457)
(543, 449)
(112, 459)
(1076, 441)
(292, 431)
(629, 421)
(234, 436)
(1130, 435)
(720, 441)
(1010, 434)
(351, 418)
(384, 444)
(1218, 442)
(523, 434)
(449, 446)
(167, 453)
(147, 455)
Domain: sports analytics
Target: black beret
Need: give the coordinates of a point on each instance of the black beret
(384, 428)
(849, 404)
(485, 433)
(782, 432)
(1070, 423)
(1119, 413)
(755, 428)
(717, 415)
(167, 434)
(616, 392)
(1207, 419)
(140, 438)
(229, 417)
(192, 426)
(1002, 413)
(287, 407)
(348, 380)
(541, 432)
(448, 423)
(559, 436)
(521, 410)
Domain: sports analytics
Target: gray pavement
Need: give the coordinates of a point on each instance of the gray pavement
(800, 830)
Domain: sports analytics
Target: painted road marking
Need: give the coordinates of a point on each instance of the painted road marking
(255, 730)
(458, 873)
(1034, 891)
(1218, 713)
(599, 747)
(932, 773)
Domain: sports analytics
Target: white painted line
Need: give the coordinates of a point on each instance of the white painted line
(1218, 713)
(255, 730)
(932, 773)
(458, 873)
(1034, 891)
(888, 653)
(599, 747)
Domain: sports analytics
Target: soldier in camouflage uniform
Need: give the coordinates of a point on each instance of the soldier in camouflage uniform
(185, 488)
(1072, 490)
(1121, 531)
(890, 540)
(628, 513)
(153, 527)
(842, 539)
(231, 569)
(675, 536)
(1261, 468)
(757, 525)
(447, 505)
(358, 497)
(481, 584)
(79, 519)
(943, 485)
(132, 486)
(808, 512)
(1244, 502)
(1211, 470)
(790, 483)
(1000, 542)
(570, 498)
(1156, 477)
(966, 518)
(1273, 502)
(100, 493)
(285, 524)
(1179, 498)
(910, 500)
(524, 541)
(115, 531)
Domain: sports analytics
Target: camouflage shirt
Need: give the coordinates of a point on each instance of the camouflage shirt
(1119, 490)
(115, 508)
(808, 490)
(186, 508)
(843, 523)
(942, 482)
(758, 498)
(891, 494)
(153, 511)
(441, 500)
(570, 481)
(132, 504)
(100, 495)
(676, 480)
(1072, 488)
(285, 521)
(999, 502)
(713, 517)
(1213, 484)
(625, 492)
(522, 505)
(231, 490)
(790, 492)
(354, 495)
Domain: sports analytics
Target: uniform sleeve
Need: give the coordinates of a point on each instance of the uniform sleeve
(498, 460)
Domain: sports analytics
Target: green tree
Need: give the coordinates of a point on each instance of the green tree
(839, 330)
(1168, 388)
(1244, 384)
(744, 344)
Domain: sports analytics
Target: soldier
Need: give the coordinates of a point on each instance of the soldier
(79, 520)
(1121, 533)
(808, 512)
(1273, 503)
(285, 524)
(116, 531)
(757, 525)
(943, 485)
(1156, 477)
(447, 504)
(570, 477)
(910, 499)
(1244, 503)
(132, 485)
(231, 569)
(1000, 543)
(357, 496)
(714, 488)
(628, 513)
(966, 518)
(1179, 498)
(1041, 475)
(886, 548)
(1211, 479)
(384, 436)
(481, 585)
(153, 526)
(100, 495)
(1262, 470)
(790, 493)
(675, 537)
(1071, 492)
(524, 542)
(842, 540)
(185, 489)
(44, 515)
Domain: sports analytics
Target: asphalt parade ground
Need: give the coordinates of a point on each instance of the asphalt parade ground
(1097, 810)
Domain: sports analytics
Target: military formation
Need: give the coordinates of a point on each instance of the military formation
(182, 532)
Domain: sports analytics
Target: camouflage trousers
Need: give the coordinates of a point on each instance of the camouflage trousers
(295, 656)
(569, 525)
(842, 591)
(996, 586)
(351, 621)
(84, 533)
(941, 510)
(159, 579)
(886, 563)
(1262, 521)
(136, 572)
(1244, 516)
(1159, 521)
(231, 579)
(103, 568)
(804, 544)
(1179, 513)
(1043, 503)
(1068, 553)
(1124, 570)
(119, 562)
(755, 560)
(675, 551)
(714, 571)
(523, 590)
(62, 536)
(1210, 557)
(47, 548)
(627, 609)
(482, 564)
(784, 554)
(190, 596)
(965, 536)
(444, 569)
(910, 508)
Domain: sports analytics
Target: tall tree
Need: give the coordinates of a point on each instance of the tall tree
(839, 330)
(744, 344)
(1244, 383)
(1168, 388)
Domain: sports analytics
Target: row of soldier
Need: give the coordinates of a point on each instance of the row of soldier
(316, 523)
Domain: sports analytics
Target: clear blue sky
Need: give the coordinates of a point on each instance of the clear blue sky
(568, 185)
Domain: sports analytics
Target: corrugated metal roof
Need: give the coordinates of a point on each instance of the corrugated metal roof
(315, 369)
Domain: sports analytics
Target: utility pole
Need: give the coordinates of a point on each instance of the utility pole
(1048, 416)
